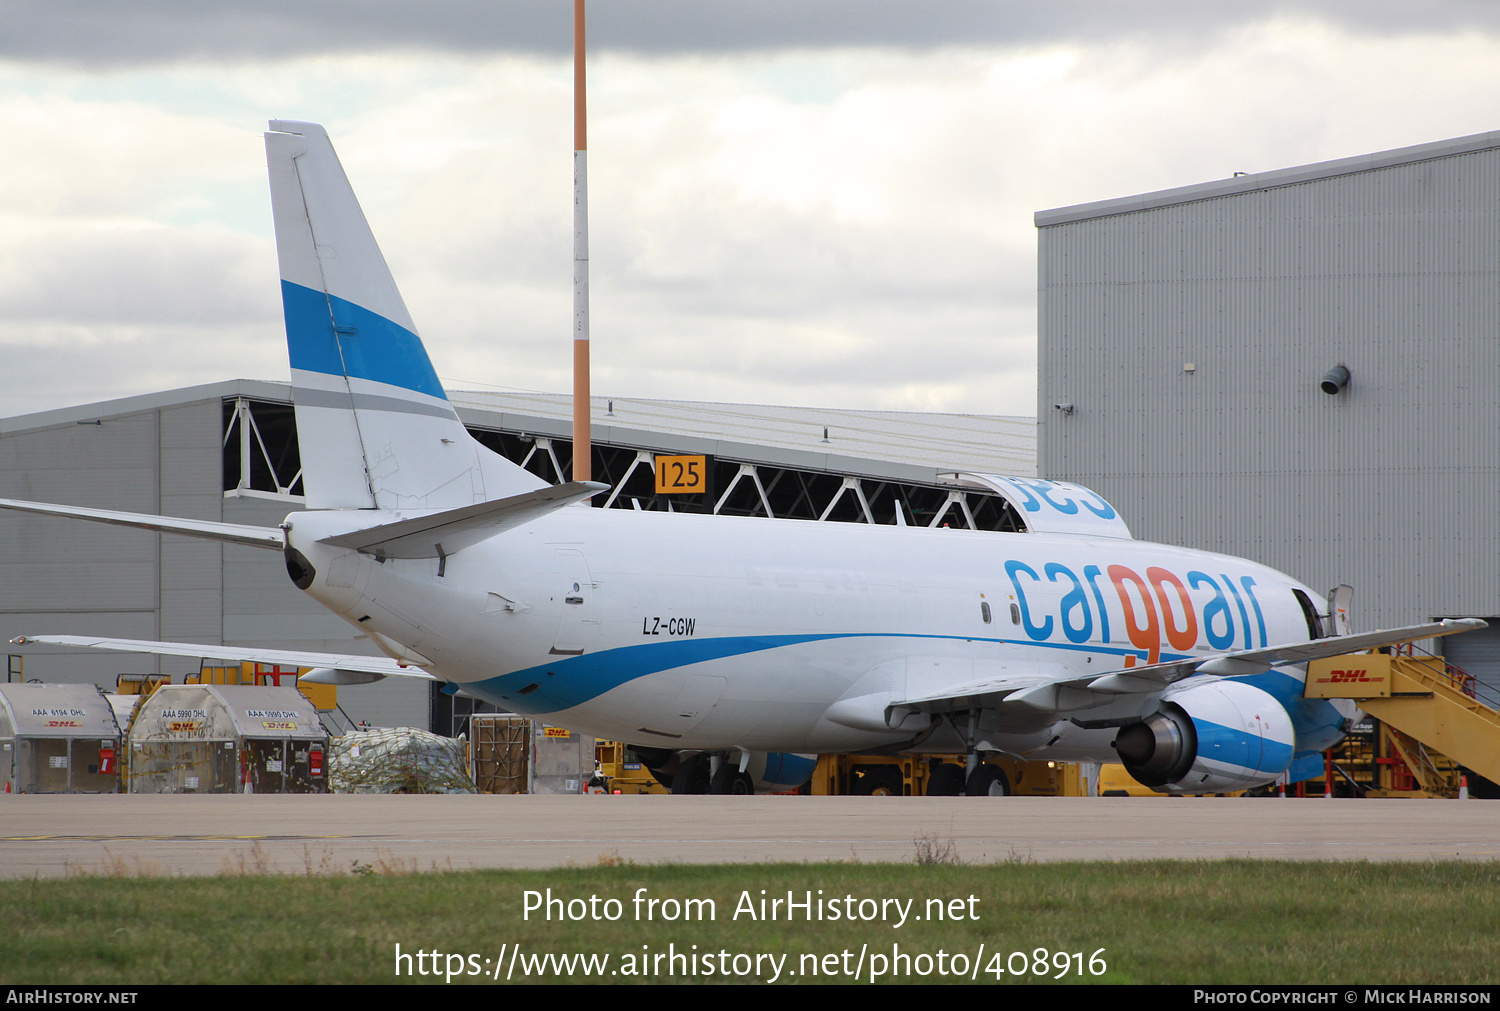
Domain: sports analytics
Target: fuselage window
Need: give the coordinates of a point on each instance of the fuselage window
(984, 611)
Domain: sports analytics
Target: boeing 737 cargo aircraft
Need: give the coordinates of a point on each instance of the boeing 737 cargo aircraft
(729, 650)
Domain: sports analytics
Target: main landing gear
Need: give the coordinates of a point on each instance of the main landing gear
(949, 780)
(975, 778)
(987, 781)
(712, 773)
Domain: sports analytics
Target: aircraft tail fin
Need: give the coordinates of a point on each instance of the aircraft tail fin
(374, 425)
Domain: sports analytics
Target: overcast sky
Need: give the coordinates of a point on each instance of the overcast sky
(819, 202)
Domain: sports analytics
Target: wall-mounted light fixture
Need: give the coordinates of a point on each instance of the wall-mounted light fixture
(1334, 380)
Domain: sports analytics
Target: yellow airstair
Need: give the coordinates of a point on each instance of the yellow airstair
(1429, 702)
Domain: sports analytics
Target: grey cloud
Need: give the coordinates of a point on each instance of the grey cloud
(105, 32)
(52, 366)
(139, 278)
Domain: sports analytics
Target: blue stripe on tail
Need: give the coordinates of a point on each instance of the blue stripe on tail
(372, 346)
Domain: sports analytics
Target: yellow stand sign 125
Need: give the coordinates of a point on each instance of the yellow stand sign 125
(681, 475)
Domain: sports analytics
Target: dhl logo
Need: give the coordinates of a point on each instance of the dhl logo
(187, 726)
(1344, 677)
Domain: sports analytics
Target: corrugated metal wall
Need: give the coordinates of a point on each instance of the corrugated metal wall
(192, 570)
(61, 576)
(65, 576)
(1393, 485)
(81, 577)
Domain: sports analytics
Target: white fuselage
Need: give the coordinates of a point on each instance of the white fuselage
(698, 632)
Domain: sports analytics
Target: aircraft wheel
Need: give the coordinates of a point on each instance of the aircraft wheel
(692, 776)
(729, 779)
(947, 780)
(878, 781)
(987, 781)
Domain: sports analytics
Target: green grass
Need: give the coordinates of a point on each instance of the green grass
(1158, 922)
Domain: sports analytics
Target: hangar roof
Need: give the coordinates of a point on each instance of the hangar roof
(771, 434)
(907, 445)
(1254, 181)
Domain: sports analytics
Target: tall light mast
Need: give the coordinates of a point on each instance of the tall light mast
(583, 453)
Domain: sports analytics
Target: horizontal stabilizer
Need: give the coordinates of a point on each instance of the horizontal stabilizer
(379, 665)
(452, 530)
(230, 533)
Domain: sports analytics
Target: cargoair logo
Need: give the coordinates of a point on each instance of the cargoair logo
(1159, 606)
(1345, 677)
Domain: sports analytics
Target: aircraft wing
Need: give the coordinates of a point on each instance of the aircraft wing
(975, 693)
(1072, 691)
(340, 663)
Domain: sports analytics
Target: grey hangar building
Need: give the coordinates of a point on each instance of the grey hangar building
(1184, 337)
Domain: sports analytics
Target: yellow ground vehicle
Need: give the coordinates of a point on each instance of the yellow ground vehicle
(922, 775)
(619, 770)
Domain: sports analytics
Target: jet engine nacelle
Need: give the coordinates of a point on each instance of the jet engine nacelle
(1212, 738)
(780, 770)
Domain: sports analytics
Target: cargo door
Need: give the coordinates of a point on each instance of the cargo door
(44, 765)
(579, 608)
(265, 765)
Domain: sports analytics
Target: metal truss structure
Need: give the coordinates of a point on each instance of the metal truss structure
(261, 459)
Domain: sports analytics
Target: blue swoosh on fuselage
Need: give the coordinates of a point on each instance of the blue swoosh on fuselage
(574, 680)
(571, 681)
